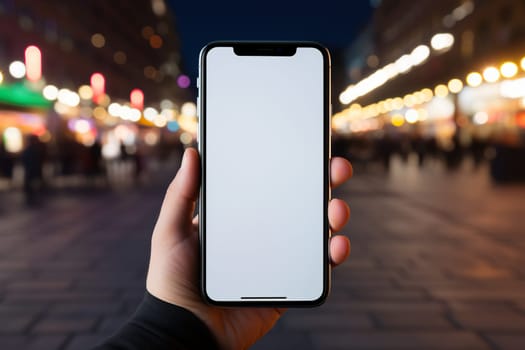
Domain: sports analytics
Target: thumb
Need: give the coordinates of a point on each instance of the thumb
(175, 218)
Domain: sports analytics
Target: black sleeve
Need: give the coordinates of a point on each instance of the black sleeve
(159, 325)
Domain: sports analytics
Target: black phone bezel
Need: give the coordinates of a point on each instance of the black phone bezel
(266, 48)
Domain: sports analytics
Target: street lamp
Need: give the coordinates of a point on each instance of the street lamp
(442, 41)
(491, 74)
(508, 69)
(474, 79)
(455, 85)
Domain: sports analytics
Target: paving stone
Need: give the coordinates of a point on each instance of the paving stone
(411, 294)
(483, 320)
(13, 342)
(38, 285)
(412, 320)
(16, 324)
(430, 263)
(45, 342)
(64, 325)
(279, 340)
(315, 320)
(352, 305)
(508, 341)
(67, 297)
(386, 340)
(85, 341)
(472, 293)
(87, 308)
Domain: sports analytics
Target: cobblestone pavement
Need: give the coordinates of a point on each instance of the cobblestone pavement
(437, 263)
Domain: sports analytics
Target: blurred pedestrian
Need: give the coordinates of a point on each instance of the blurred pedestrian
(385, 149)
(93, 162)
(32, 162)
(419, 145)
(6, 163)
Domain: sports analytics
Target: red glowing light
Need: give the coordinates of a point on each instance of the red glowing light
(136, 97)
(98, 85)
(33, 62)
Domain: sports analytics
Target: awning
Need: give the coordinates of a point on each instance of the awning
(20, 95)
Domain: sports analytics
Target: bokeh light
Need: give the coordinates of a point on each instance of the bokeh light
(508, 69)
(173, 126)
(150, 113)
(114, 109)
(147, 32)
(33, 63)
(186, 138)
(155, 41)
(480, 118)
(441, 90)
(491, 74)
(136, 98)
(160, 121)
(98, 40)
(455, 85)
(98, 86)
(68, 97)
(183, 81)
(474, 79)
(13, 139)
(398, 120)
(442, 41)
(50, 92)
(189, 109)
(85, 92)
(17, 69)
(120, 57)
(411, 116)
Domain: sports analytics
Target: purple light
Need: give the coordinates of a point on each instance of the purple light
(183, 81)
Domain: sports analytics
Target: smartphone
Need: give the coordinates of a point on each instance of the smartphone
(264, 140)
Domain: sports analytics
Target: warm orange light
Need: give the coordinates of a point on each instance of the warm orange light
(398, 120)
(98, 85)
(508, 69)
(136, 97)
(155, 41)
(491, 74)
(33, 62)
(455, 85)
(474, 79)
(147, 32)
(441, 90)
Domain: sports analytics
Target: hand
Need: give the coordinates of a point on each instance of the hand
(173, 270)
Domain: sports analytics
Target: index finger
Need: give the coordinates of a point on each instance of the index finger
(340, 171)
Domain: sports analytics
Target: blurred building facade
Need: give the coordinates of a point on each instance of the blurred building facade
(484, 32)
(451, 71)
(91, 80)
(132, 43)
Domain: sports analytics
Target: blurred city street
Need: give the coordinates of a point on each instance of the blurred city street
(98, 100)
(436, 263)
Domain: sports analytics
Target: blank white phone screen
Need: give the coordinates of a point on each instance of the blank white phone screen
(264, 159)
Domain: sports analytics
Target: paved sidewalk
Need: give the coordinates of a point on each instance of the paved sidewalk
(437, 263)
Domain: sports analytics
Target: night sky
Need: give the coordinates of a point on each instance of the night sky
(333, 23)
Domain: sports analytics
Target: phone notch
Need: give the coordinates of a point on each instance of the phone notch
(264, 49)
